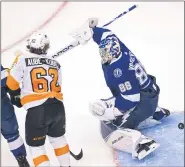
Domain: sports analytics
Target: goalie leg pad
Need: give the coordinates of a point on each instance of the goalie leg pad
(124, 140)
(131, 141)
(107, 128)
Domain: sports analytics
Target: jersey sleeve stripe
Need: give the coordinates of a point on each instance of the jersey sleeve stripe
(133, 98)
(15, 61)
(12, 83)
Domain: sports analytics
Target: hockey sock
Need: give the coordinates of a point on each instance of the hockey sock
(16, 146)
(61, 149)
(39, 156)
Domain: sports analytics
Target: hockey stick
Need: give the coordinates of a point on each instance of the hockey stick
(76, 43)
(120, 15)
(78, 156)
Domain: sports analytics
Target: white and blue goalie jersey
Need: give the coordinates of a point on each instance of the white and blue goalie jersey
(125, 76)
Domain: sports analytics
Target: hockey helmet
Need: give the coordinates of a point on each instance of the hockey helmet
(38, 43)
(109, 48)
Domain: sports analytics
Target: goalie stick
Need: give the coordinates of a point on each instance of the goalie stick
(76, 43)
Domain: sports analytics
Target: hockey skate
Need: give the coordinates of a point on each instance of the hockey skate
(146, 149)
(166, 112)
(161, 113)
(22, 161)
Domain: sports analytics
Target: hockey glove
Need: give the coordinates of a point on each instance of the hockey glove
(93, 22)
(85, 32)
(16, 101)
(15, 97)
(104, 111)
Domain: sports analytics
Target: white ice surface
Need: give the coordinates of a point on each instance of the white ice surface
(154, 32)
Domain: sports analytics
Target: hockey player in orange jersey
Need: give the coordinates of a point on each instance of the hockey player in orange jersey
(40, 79)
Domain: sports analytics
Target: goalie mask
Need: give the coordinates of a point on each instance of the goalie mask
(38, 43)
(109, 49)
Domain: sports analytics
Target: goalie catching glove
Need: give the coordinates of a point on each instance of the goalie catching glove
(85, 32)
(104, 110)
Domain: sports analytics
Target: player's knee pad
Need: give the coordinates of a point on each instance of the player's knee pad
(9, 126)
(7, 108)
(127, 140)
(39, 156)
(61, 149)
(8, 135)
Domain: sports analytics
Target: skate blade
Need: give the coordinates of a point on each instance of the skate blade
(143, 153)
